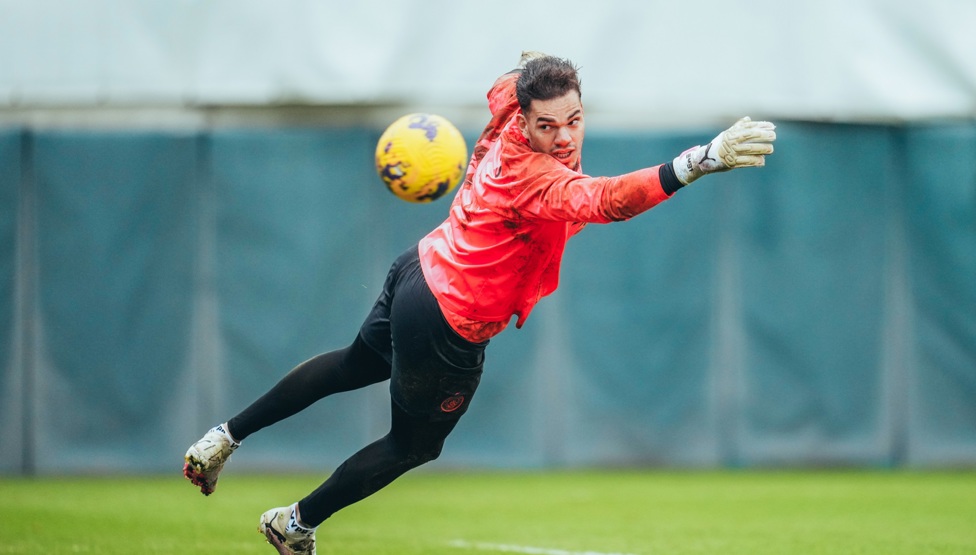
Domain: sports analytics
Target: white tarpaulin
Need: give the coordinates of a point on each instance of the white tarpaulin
(642, 61)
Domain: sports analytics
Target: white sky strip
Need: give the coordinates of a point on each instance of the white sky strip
(508, 548)
(846, 60)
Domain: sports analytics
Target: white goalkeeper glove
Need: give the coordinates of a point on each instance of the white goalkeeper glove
(743, 145)
(528, 56)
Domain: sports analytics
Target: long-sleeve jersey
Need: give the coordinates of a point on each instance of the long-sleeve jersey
(500, 248)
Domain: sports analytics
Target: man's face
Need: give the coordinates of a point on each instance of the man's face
(555, 127)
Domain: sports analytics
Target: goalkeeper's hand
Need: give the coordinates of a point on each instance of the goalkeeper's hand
(528, 56)
(743, 145)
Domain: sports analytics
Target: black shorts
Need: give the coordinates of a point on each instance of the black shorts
(434, 371)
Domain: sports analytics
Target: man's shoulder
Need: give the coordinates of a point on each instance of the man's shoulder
(501, 96)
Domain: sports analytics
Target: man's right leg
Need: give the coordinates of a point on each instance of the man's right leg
(346, 369)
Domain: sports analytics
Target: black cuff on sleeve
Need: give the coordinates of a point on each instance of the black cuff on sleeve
(669, 181)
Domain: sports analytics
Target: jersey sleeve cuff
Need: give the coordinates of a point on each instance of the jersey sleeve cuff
(669, 180)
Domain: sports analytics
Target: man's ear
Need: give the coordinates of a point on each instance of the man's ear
(523, 123)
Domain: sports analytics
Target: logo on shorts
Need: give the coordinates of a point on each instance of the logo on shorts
(452, 403)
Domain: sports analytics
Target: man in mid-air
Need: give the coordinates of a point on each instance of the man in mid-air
(495, 256)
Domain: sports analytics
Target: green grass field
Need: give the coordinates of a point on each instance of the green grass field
(562, 513)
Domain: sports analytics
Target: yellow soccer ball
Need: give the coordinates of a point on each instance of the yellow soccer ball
(421, 157)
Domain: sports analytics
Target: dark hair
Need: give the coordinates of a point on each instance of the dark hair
(546, 78)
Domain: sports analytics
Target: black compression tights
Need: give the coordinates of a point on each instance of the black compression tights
(346, 369)
(411, 442)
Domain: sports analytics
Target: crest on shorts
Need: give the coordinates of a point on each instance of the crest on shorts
(452, 403)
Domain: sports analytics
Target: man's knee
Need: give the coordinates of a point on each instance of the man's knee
(424, 453)
(419, 439)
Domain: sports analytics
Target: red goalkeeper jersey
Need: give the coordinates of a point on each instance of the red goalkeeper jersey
(499, 251)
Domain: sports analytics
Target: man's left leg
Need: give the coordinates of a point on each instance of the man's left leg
(411, 442)
(434, 375)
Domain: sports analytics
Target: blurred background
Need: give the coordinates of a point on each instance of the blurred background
(189, 208)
